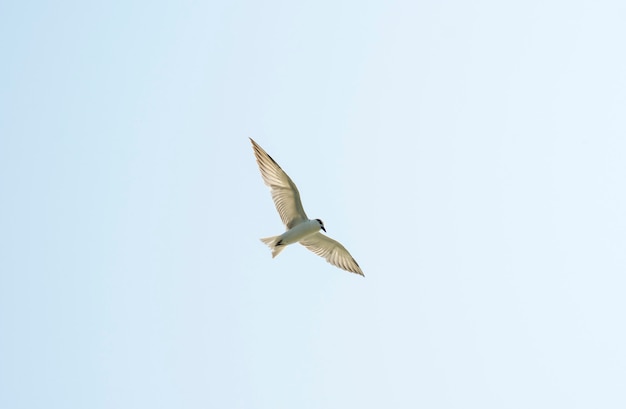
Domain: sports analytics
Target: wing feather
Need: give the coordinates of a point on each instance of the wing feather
(284, 192)
(332, 251)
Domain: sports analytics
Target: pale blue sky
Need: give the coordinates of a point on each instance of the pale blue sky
(470, 155)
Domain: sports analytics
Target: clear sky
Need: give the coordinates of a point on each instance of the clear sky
(470, 155)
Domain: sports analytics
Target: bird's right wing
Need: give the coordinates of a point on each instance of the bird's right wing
(284, 192)
(332, 251)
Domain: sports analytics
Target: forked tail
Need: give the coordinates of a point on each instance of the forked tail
(272, 242)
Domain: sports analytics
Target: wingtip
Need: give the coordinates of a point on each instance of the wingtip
(358, 268)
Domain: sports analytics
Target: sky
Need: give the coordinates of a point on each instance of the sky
(470, 156)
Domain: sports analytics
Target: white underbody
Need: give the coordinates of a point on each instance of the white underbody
(299, 232)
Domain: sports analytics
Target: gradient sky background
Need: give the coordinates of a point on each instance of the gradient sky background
(470, 155)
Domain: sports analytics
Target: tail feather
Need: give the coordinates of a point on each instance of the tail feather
(272, 242)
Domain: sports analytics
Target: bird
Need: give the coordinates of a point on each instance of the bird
(300, 229)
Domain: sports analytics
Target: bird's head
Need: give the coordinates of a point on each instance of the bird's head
(321, 224)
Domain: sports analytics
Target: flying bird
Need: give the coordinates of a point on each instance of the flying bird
(299, 227)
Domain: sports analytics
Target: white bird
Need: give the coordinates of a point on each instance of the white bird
(299, 227)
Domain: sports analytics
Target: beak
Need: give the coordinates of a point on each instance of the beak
(324, 229)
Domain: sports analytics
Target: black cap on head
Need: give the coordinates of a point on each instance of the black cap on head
(321, 224)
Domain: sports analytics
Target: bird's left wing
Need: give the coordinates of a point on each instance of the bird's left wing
(284, 191)
(332, 251)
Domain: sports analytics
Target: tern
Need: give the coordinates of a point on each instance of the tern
(299, 227)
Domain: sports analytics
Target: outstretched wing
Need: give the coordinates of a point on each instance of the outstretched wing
(332, 251)
(284, 192)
